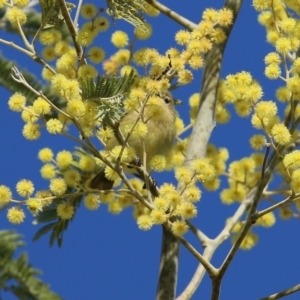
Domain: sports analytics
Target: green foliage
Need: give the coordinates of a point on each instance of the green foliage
(108, 92)
(51, 13)
(16, 274)
(129, 10)
(58, 226)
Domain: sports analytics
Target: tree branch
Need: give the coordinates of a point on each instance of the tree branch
(200, 136)
(173, 15)
(282, 294)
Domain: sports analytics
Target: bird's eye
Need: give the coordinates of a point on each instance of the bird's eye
(167, 100)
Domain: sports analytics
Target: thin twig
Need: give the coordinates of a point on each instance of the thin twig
(71, 27)
(201, 133)
(173, 15)
(284, 293)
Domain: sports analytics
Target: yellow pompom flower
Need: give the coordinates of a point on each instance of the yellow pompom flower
(179, 228)
(50, 37)
(120, 39)
(48, 53)
(158, 216)
(272, 71)
(261, 5)
(25, 188)
(258, 141)
(182, 37)
(58, 186)
(200, 165)
(192, 194)
(186, 210)
(87, 163)
(292, 159)
(72, 177)
(54, 126)
(249, 241)
(140, 130)
(128, 153)
(28, 115)
(283, 45)
(16, 15)
(265, 109)
(88, 11)
(58, 83)
(273, 36)
(87, 71)
(143, 35)
(101, 24)
(185, 76)
(210, 14)
(224, 17)
(76, 108)
(15, 215)
(111, 174)
(183, 175)
(17, 102)
(41, 106)
(218, 36)
(151, 11)
(293, 84)
(64, 159)
(92, 201)
(295, 183)
(285, 213)
(5, 195)
(72, 89)
(61, 48)
(166, 188)
(196, 62)
(266, 220)
(258, 123)
(281, 134)
(96, 55)
(115, 207)
(122, 57)
(144, 222)
(157, 163)
(66, 64)
(173, 198)
(161, 203)
(65, 211)
(45, 155)
(195, 46)
(296, 65)
(105, 134)
(85, 37)
(21, 3)
(272, 58)
(34, 205)
(126, 70)
(48, 171)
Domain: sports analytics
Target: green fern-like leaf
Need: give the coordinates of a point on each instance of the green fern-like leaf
(51, 13)
(108, 93)
(57, 227)
(16, 274)
(8, 83)
(129, 10)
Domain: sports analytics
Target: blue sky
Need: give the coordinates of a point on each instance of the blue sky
(108, 257)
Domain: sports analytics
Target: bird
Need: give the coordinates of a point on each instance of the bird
(161, 133)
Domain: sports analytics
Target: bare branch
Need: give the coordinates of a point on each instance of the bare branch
(282, 294)
(173, 15)
(200, 136)
(71, 27)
